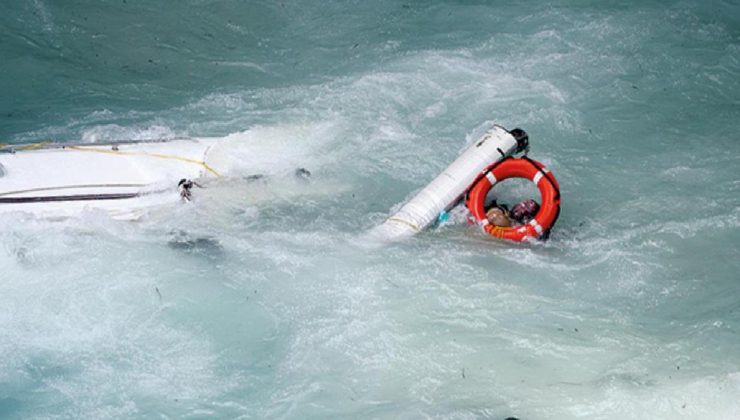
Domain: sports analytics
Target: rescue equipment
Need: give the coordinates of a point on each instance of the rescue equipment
(449, 187)
(537, 228)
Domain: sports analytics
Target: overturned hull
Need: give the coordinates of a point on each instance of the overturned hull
(446, 190)
(64, 179)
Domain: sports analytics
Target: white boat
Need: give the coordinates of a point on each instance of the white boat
(49, 179)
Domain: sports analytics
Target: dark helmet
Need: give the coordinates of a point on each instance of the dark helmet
(522, 139)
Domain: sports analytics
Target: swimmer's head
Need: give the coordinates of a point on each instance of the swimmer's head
(525, 211)
(497, 217)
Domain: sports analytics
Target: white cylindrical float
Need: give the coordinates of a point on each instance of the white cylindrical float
(446, 190)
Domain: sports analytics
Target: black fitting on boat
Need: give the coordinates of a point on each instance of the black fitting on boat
(522, 139)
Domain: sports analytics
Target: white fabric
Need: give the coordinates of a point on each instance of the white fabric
(492, 179)
(536, 226)
(538, 176)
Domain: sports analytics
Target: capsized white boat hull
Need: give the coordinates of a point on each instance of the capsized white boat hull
(131, 180)
(64, 179)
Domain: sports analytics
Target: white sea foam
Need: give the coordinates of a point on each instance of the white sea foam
(255, 300)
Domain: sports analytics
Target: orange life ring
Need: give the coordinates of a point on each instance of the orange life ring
(540, 226)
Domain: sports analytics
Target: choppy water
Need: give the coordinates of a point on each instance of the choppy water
(268, 309)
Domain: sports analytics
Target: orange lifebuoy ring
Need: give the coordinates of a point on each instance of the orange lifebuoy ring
(540, 226)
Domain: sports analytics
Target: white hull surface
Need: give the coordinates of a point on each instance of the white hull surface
(60, 180)
(446, 190)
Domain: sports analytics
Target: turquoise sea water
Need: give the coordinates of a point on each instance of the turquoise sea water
(629, 311)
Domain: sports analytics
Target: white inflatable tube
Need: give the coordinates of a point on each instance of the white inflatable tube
(446, 190)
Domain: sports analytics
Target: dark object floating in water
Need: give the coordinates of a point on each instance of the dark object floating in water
(207, 245)
(302, 173)
(256, 177)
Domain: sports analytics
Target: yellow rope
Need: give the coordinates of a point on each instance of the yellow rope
(67, 187)
(33, 146)
(30, 146)
(157, 155)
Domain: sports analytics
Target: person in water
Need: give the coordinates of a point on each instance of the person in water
(498, 216)
(524, 211)
(185, 187)
(521, 213)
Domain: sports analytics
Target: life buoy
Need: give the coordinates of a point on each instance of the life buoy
(540, 226)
